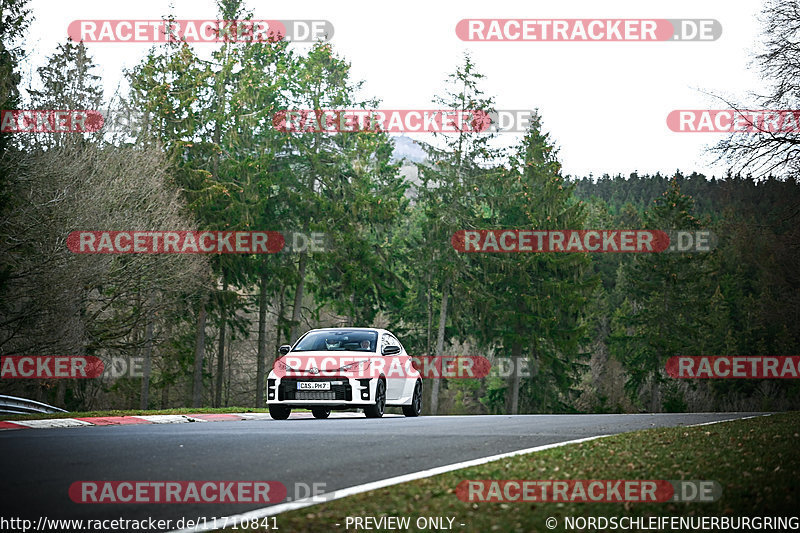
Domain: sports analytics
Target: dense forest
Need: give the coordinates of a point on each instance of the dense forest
(595, 329)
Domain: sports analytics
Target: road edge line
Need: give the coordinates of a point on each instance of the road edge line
(728, 420)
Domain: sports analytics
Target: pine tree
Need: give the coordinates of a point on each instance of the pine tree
(667, 295)
(532, 305)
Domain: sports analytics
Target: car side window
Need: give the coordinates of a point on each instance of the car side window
(384, 341)
(391, 341)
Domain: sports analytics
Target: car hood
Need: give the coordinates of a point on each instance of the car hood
(324, 360)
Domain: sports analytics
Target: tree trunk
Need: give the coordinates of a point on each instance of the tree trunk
(351, 321)
(279, 319)
(166, 365)
(199, 356)
(228, 377)
(430, 322)
(298, 298)
(261, 362)
(165, 396)
(440, 346)
(512, 401)
(144, 401)
(223, 325)
(654, 403)
(61, 393)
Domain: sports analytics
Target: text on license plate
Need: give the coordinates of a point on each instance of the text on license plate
(313, 385)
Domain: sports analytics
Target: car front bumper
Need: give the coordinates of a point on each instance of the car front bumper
(342, 391)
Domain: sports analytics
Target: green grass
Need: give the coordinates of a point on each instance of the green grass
(757, 462)
(133, 412)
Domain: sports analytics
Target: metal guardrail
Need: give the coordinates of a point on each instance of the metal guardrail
(20, 406)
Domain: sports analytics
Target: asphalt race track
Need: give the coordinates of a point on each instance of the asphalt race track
(39, 465)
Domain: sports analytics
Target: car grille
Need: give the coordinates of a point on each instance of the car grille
(288, 391)
(314, 395)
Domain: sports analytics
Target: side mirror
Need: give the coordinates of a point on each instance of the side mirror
(390, 350)
(284, 349)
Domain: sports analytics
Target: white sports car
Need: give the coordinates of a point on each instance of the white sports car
(344, 368)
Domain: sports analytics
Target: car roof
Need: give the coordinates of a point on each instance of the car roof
(349, 329)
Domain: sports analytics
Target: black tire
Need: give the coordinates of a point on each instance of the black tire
(280, 412)
(320, 412)
(376, 410)
(415, 409)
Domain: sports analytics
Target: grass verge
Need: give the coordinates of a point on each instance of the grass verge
(757, 462)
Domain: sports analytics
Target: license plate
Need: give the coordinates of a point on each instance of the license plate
(313, 385)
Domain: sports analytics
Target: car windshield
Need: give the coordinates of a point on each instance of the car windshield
(338, 340)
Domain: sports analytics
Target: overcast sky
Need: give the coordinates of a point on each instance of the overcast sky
(605, 104)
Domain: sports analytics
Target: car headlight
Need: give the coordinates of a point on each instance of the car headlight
(280, 365)
(358, 366)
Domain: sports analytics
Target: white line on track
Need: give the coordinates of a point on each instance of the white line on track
(726, 420)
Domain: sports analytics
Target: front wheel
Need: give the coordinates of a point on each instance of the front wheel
(415, 409)
(376, 410)
(318, 412)
(280, 412)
